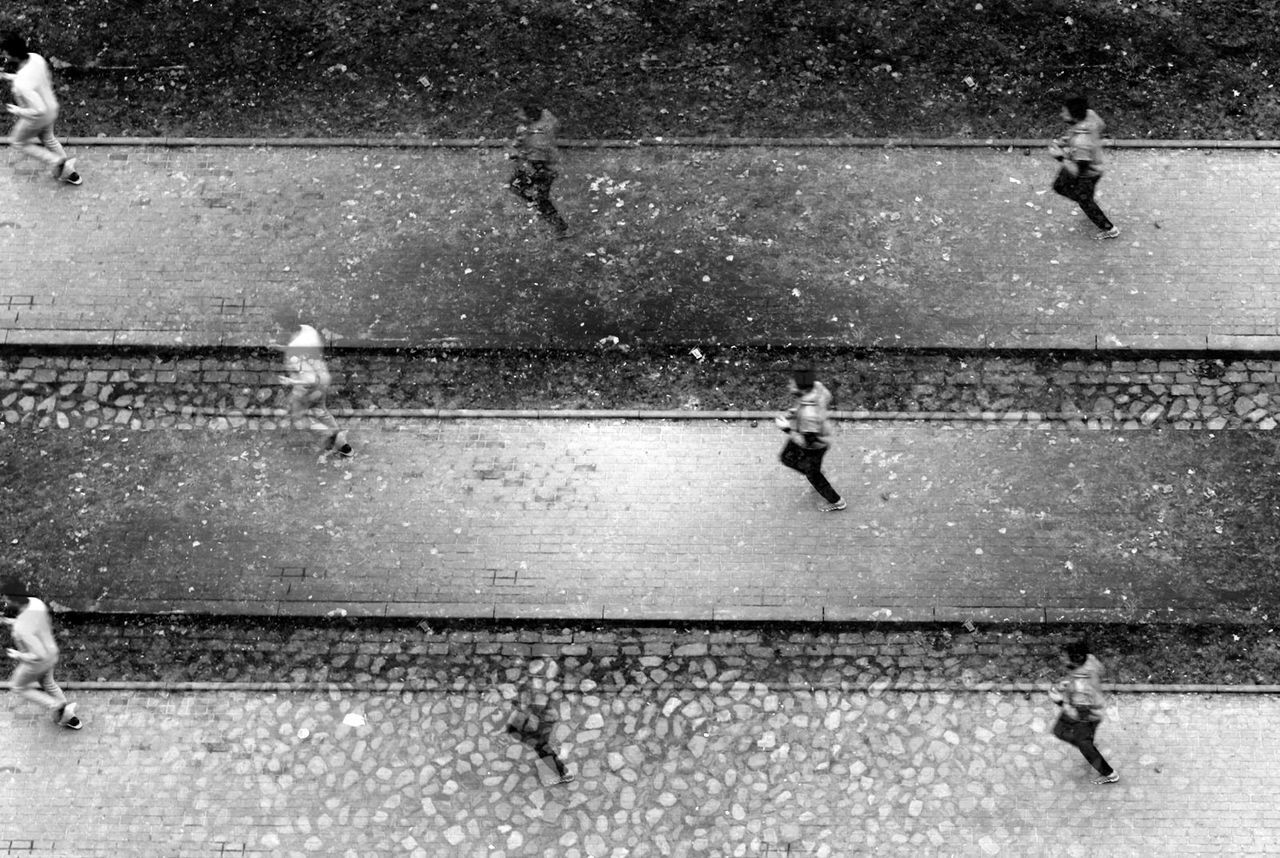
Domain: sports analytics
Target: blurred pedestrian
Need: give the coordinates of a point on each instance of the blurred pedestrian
(1080, 699)
(808, 428)
(309, 382)
(36, 653)
(1079, 152)
(36, 108)
(536, 154)
(534, 716)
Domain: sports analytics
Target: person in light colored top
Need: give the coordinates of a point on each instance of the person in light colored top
(1080, 698)
(808, 429)
(1079, 152)
(36, 653)
(36, 108)
(309, 381)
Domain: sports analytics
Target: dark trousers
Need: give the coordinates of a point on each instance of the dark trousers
(531, 182)
(809, 463)
(1080, 734)
(1080, 189)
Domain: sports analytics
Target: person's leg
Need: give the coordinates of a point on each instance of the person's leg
(1065, 185)
(811, 467)
(791, 456)
(551, 758)
(1085, 187)
(521, 182)
(26, 137)
(51, 143)
(543, 176)
(35, 683)
(1084, 733)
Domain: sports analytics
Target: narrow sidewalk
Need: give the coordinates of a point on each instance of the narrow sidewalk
(648, 520)
(961, 248)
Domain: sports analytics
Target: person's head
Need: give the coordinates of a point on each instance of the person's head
(529, 111)
(14, 593)
(1075, 108)
(802, 380)
(14, 47)
(1077, 652)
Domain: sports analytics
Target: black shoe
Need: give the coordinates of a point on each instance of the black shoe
(345, 451)
(73, 724)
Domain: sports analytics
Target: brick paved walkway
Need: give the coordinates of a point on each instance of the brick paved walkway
(650, 519)
(919, 247)
(722, 768)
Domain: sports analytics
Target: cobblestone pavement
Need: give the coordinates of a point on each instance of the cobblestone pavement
(164, 390)
(633, 520)
(719, 766)
(907, 247)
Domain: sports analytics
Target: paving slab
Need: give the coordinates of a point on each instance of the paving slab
(911, 247)
(648, 520)
(723, 768)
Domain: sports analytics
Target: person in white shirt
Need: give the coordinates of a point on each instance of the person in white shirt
(309, 382)
(36, 653)
(36, 108)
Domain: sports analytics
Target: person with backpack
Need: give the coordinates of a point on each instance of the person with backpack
(808, 429)
(1080, 154)
(1080, 699)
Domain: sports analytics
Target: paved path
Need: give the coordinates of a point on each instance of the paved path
(643, 520)
(901, 247)
(716, 768)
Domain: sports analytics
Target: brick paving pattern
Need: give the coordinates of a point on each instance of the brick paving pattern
(943, 247)
(639, 520)
(723, 766)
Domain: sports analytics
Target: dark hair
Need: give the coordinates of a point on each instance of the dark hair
(14, 45)
(804, 377)
(531, 109)
(1077, 106)
(1077, 651)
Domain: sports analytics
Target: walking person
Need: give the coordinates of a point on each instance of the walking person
(35, 652)
(309, 381)
(534, 717)
(1079, 152)
(536, 154)
(808, 429)
(1080, 699)
(36, 109)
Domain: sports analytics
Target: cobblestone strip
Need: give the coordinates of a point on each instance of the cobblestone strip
(149, 391)
(725, 768)
(177, 650)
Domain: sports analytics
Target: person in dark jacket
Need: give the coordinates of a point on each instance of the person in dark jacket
(808, 430)
(536, 154)
(1079, 152)
(534, 717)
(1079, 697)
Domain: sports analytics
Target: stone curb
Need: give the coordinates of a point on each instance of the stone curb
(622, 414)
(876, 687)
(640, 142)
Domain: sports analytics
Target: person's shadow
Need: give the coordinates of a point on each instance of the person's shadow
(534, 717)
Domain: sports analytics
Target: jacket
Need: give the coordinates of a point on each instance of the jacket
(1082, 697)
(536, 141)
(1083, 141)
(810, 427)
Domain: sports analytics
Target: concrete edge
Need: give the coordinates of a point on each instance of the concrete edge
(962, 616)
(656, 141)
(874, 687)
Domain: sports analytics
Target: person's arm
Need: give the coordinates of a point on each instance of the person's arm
(31, 647)
(35, 105)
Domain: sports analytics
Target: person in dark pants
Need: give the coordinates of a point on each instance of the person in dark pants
(1080, 154)
(536, 155)
(1081, 701)
(808, 431)
(534, 717)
